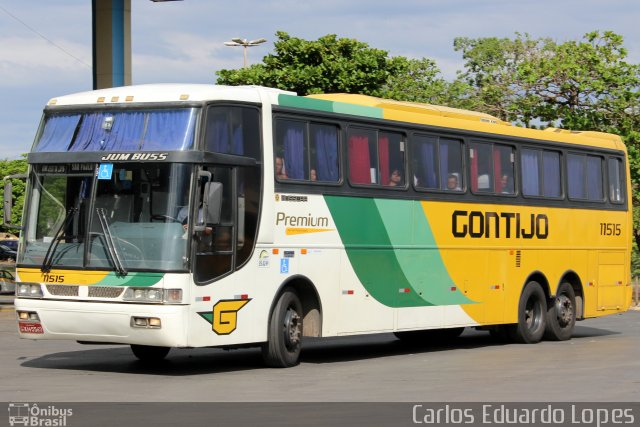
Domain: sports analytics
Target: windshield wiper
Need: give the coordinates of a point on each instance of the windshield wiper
(112, 251)
(47, 263)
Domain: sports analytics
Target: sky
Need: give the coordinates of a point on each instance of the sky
(45, 46)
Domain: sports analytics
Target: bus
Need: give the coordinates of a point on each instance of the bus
(181, 216)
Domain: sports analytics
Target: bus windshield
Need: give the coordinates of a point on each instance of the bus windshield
(129, 216)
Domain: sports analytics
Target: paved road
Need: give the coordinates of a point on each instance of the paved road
(601, 363)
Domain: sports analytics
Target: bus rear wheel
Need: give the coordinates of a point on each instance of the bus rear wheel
(532, 314)
(149, 353)
(282, 350)
(561, 314)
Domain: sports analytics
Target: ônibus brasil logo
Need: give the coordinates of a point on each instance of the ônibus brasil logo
(30, 414)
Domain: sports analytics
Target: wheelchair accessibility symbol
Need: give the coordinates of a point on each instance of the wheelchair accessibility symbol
(105, 171)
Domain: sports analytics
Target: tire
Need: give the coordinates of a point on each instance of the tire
(282, 350)
(428, 335)
(149, 353)
(532, 315)
(561, 314)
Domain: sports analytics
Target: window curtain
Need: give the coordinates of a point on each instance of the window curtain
(169, 130)
(530, 173)
(218, 135)
(444, 166)
(238, 141)
(383, 157)
(294, 151)
(551, 174)
(575, 169)
(326, 143)
(594, 178)
(127, 132)
(427, 156)
(359, 159)
(58, 132)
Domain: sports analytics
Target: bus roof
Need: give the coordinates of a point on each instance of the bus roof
(169, 92)
(359, 105)
(447, 117)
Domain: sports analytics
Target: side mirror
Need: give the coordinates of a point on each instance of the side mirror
(8, 202)
(7, 205)
(212, 203)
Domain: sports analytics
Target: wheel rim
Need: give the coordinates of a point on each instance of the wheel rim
(564, 310)
(533, 314)
(292, 332)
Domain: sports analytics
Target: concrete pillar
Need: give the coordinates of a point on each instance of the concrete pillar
(111, 43)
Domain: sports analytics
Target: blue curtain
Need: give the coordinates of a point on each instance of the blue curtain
(294, 151)
(326, 141)
(576, 172)
(218, 135)
(551, 174)
(238, 141)
(530, 173)
(58, 132)
(428, 177)
(90, 133)
(165, 130)
(594, 178)
(169, 130)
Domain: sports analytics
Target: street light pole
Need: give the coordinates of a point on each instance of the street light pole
(245, 44)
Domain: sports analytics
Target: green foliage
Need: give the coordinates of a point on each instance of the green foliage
(327, 65)
(13, 167)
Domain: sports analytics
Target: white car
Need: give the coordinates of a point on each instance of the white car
(7, 282)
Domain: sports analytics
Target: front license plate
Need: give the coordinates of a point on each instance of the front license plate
(30, 328)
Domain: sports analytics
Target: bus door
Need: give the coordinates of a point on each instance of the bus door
(224, 247)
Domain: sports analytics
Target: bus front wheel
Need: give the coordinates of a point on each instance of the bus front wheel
(149, 353)
(282, 350)
(561, 314)
(532, 315)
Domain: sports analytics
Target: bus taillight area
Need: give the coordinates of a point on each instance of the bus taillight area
(151, 325)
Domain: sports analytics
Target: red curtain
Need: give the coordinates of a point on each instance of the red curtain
(359, 162)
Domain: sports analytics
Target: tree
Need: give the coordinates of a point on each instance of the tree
(12, 167)
(420, 80)
(579, 85)
(329, 64)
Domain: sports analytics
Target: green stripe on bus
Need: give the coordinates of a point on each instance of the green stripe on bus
(329, 106)
(392, 251)
(131, 279)
(417, 252)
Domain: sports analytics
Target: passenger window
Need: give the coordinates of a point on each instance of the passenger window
(233, 130)
(492, 168)
(541, 173)
(437, 163)
(616, 180)
(585, 177)
(306, 151)
(376, 158)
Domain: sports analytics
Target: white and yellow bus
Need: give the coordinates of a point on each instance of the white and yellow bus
(183, 216)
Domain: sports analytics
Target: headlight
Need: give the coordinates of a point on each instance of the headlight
(29, 290)
(153, 295)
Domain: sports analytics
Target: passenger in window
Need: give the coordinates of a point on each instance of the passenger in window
(506, 184)
(313, 175)
(395, 179)
(280, 172)
(452, 182)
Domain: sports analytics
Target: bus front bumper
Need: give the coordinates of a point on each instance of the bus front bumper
(120, 323)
